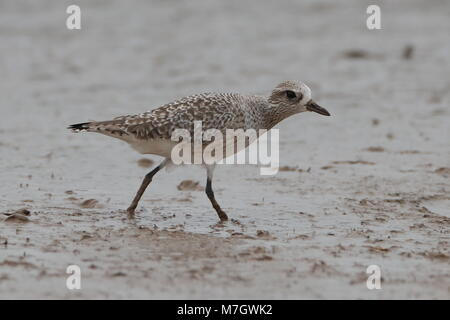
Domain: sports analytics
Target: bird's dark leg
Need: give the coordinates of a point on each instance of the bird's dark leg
(209, 192)
(147, 179)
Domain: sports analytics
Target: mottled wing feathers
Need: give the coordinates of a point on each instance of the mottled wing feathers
(216, 111)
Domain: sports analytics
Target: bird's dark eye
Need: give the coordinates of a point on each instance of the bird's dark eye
(290, 94)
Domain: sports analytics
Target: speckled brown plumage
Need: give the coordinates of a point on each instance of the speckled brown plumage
(216, 111)
(151, 132)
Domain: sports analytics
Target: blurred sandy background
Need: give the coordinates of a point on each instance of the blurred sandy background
(369, 185)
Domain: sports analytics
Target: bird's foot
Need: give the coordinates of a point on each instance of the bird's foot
(130, 211)
(222, 215)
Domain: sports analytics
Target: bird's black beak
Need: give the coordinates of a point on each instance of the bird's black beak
(314, 107)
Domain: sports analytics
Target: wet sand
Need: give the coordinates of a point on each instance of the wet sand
(369, 185)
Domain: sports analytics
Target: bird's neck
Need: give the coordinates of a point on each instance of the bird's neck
(274, 114)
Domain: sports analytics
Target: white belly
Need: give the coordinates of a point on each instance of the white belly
(160, 147)
(164, 147)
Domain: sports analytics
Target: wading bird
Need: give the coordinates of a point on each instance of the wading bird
(150, 132)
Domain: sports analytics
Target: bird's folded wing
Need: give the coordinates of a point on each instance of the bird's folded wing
(210, 111)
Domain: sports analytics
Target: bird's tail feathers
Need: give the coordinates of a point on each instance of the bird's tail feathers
(85, 126)
(112, 128)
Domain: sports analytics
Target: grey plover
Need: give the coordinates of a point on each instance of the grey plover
(150, 132)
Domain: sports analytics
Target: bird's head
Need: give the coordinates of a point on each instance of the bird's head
(294, 97)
